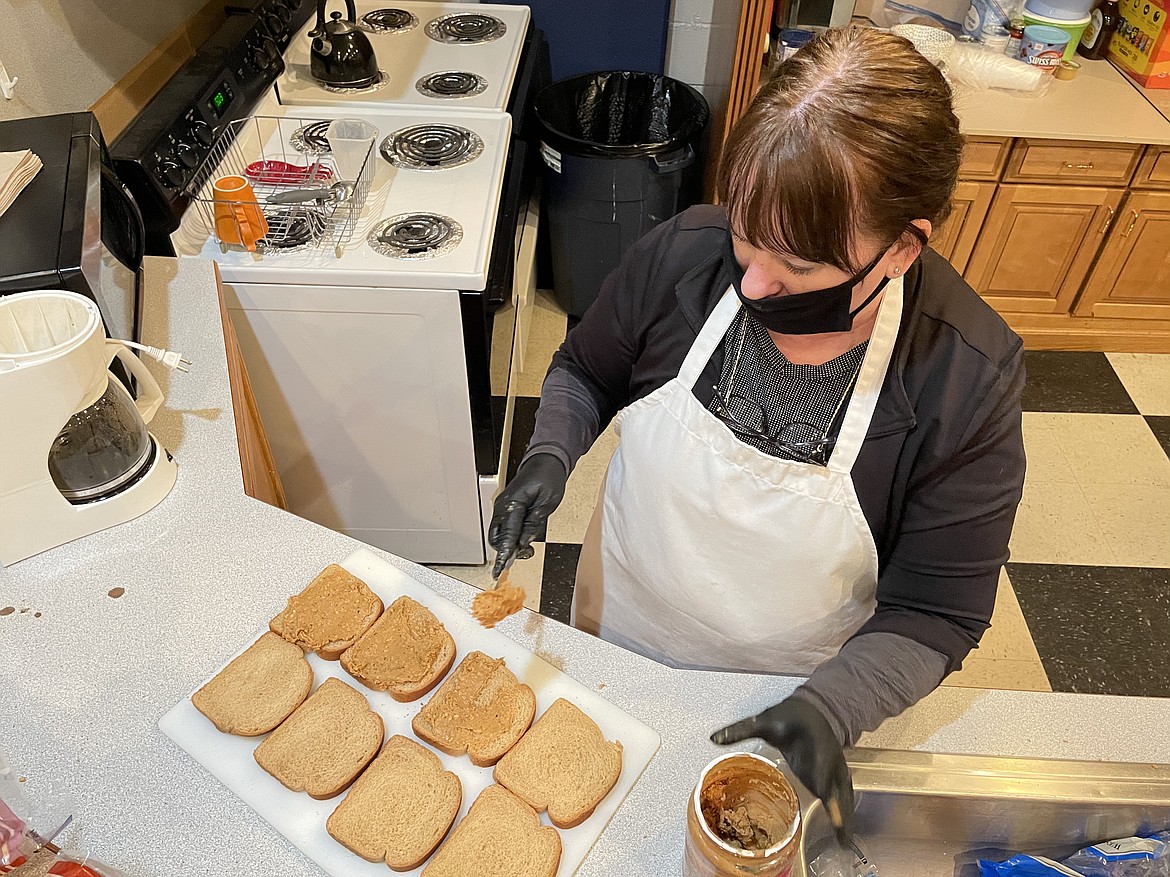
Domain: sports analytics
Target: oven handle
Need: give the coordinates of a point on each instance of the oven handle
(131, 222)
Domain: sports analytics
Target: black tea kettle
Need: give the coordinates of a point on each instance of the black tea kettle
(341, 54)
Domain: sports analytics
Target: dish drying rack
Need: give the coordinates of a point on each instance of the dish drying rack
(309, 225)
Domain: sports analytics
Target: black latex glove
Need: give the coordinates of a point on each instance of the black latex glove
(810, 747)
(523, 506)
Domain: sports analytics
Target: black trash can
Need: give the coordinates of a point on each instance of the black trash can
(621, 155)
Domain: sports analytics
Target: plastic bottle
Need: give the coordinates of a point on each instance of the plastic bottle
(1103, 22)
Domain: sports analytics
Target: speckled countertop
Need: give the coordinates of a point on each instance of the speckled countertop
(83, 685)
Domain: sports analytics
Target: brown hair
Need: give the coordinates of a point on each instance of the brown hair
(854, 134)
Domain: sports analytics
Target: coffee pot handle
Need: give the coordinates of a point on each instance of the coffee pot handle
(150, 397)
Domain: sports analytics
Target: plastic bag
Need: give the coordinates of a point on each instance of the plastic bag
(1128, 857)
(977, 68)
(60, 864)
(31, 813)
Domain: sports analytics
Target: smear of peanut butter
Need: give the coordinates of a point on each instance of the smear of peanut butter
(116, 592)
(7, 610)
(491, 607)
(402, 646)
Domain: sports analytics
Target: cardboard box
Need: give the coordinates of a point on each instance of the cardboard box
(1141, 46)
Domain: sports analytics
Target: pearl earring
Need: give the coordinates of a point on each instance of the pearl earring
(897, 270)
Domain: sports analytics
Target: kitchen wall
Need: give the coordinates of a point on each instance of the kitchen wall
(68, 53)
(700, 51)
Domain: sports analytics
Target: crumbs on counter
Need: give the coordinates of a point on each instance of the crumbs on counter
(601, 686)
(116, 592)
(37, 614)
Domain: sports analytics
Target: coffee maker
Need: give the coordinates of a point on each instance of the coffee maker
(76, 456)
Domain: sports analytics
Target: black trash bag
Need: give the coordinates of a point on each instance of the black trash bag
(620, 113)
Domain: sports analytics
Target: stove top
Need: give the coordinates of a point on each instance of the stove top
(431, 147)
(428, 223)
(430, 53)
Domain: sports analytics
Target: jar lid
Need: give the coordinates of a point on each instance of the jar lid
(1067, 70)
(1061, 10)
(1042, 33)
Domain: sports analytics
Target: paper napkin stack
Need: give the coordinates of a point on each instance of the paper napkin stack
(16, 171)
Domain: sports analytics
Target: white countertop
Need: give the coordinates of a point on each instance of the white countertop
(83, 686)
(1100, 104)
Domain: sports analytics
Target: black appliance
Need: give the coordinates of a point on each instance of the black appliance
(281, 18)
(158, 153)
(75, 226)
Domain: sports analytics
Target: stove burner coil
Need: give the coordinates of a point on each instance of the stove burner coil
(431, 147)
(384, 21)
(466, 27)
(377, 85)
(416, 236)
(292, 227)
(451, 84)
(311, 140)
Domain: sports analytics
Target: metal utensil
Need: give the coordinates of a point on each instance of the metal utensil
(335, 194)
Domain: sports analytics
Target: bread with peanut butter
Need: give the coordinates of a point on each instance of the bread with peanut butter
(258, 690)
(400, 808)
(323, 746)
(329, 615)
(563, 765)
(500, 836)
(405, 652)
(480, 709)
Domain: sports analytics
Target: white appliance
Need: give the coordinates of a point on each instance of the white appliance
(81, 459)
(431, 55)
(383, 375)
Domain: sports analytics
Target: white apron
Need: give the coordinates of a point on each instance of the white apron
(705, 552)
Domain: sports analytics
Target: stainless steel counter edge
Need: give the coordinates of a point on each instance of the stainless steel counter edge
(83, 685)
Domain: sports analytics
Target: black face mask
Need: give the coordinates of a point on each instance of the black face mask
(807, 313)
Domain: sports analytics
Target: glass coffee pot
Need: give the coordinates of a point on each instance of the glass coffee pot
(105, 448)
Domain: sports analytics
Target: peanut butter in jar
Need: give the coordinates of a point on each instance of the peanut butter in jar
(742, 819)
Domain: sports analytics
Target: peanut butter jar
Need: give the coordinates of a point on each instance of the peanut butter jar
(743, 820)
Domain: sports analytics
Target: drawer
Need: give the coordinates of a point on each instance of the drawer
(1154, 171)
(984, 158)
(1071, 161)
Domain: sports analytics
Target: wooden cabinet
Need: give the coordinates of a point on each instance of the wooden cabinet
(1154, 171)
(1132, 277)
(1038, 244)
(955, 238)
(1072, 162)
(984, 158)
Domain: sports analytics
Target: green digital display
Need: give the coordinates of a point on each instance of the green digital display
(220, 100)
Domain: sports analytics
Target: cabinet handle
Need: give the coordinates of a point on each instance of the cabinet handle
(1078, 167)
(1133, 218)
(1108, 219)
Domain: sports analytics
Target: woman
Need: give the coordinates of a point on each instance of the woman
(820, 448)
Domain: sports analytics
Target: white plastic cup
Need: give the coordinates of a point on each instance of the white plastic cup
(350, 141)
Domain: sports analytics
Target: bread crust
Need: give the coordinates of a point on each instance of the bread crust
(330, 614)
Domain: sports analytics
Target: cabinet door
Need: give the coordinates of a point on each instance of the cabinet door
(1154, 171)
(1038, 244)
(1132, 276)
(956, 237)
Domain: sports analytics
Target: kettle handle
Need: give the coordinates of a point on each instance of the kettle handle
(150, 397)
(322, 7)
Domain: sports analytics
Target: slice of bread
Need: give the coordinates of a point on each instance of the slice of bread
(258, 690)
(329, 615)
(479, 709)
(500, 836)
(400, 808)
(563, 765)
(325, 744)
(406, 652)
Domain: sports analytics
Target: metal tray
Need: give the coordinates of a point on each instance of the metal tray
(920, 814)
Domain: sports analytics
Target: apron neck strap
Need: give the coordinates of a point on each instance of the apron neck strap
(709, 338)
(869, 380)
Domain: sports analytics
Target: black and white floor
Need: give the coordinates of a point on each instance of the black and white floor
(1084, 604)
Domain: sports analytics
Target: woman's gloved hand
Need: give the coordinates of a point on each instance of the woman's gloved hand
(810, 747)
(521, 510)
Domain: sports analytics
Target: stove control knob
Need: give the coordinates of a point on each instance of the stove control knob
(172, 173)
(282, 11)
(187, 155)
(274, 24)
(265, 56)
(201, 133)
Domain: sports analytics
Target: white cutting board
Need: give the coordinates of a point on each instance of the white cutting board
(301, 819)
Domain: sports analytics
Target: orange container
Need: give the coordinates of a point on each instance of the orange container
(238, 217)
(1141, 45)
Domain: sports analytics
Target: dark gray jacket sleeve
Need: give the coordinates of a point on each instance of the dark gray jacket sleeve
(568, 420)
(872, 678)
